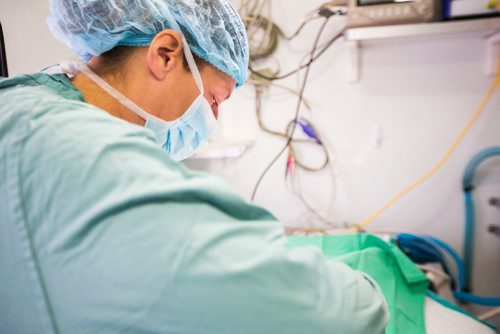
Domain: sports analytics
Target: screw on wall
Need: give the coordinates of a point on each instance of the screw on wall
(494, 202)
(494, 229)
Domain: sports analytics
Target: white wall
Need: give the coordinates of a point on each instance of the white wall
(29, 43)
(420, 92)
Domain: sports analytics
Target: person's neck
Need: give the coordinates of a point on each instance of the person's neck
(99, 98)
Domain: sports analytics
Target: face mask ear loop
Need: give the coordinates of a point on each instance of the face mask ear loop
(189, 55)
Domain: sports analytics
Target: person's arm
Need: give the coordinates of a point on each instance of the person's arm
(129, 241)
(241, 278)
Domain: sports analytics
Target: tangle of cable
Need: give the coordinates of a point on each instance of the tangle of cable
(297, 111)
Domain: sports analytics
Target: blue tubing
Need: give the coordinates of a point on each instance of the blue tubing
(468, 238)
(473, 299)
(416, 242)
(468, 186)
(456, 258)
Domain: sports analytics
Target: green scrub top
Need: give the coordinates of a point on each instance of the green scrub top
(101, 232)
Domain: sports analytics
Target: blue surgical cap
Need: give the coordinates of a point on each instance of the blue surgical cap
(213, 28)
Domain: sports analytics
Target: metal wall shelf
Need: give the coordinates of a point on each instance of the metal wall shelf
(488, 28)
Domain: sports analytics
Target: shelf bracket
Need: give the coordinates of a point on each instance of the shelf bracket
(493, 54)
(354, 50)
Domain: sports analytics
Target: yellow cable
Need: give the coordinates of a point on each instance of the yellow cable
(440, 164)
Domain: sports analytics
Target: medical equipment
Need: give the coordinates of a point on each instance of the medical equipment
(3, 57)
(467, 8)
(384, 12)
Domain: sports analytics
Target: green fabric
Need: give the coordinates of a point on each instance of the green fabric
(403, 284)
(101, 232)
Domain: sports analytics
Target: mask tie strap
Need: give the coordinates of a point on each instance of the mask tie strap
(73, 67)
(189, 55)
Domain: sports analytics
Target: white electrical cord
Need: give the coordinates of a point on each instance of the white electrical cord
(490, 314)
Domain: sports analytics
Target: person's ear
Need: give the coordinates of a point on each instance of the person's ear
(165, 53)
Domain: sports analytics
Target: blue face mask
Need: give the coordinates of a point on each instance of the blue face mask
(180, 138)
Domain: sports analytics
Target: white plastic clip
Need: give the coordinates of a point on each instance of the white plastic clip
(492, 54)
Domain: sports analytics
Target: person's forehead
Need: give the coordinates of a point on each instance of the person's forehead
(223, 80)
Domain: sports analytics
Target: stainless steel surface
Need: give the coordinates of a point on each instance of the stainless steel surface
(488, 26)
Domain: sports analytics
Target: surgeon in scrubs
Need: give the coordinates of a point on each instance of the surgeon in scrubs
(103, 231)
